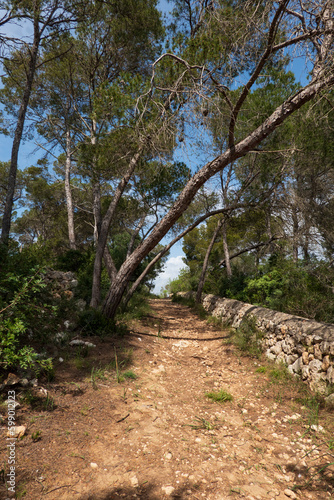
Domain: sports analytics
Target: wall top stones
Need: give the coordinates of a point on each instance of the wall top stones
(305, 345)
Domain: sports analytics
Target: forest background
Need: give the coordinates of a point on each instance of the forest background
(191, 127)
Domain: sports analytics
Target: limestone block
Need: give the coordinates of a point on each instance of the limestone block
(288, 345)
(308, 340)
(283, 329)
(318, 383)
(315, 366)
(299, 349)
(276, 349)
(280, 358)
(325, 363)
(270, 355)
(305, 372)
(317, 352)
(330, 400)
(325, 347)
(291, 358)
(330, 375)
(305, 358)
(297, 366)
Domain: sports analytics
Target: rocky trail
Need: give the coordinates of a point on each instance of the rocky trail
(155, 434)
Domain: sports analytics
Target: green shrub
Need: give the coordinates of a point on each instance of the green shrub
(304, 289)
(24, 314)
(248, 337)
(93, 323)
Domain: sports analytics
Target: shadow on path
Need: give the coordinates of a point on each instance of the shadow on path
(132, 332)
(145, 492)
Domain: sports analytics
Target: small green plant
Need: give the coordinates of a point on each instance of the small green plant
(48, 403)
(200, 311)
(84, 411)
(219, 397)
(202, 424)
(248, 337)
(21, 491)
(97, 373)
(313, 404)
(213, 320)
(124, 396)
(36, 436)
(29, 398)
(261, 369)
(130, 375)
(280, 373)
(119, 377)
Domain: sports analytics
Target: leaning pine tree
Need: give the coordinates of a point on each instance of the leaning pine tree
(220, 44)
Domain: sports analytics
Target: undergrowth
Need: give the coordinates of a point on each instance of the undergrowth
(247, 337)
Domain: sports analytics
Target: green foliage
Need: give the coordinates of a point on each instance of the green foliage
(129, 374)
(137, 307)
(248, 337)
(183, 283)
(186, 301)
(30, 315)
(73, 260)
(93, 323)
(303, 289)
(24, 314)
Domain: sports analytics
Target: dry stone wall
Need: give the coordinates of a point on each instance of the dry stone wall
(304, 345)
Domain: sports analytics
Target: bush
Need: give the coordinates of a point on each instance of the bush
(301, 289)
(248, 337)
(23, 315)
(93, 323)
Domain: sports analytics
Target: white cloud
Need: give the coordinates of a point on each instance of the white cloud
(171, 271)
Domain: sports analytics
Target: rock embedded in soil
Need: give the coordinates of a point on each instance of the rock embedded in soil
(168, 490)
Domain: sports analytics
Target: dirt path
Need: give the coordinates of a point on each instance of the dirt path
(159, 436)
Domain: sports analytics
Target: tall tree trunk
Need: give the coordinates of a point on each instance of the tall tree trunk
(7, 215)
(103, 234)
(96, 191)
(68, 193)
(226, 249)
(97, 210)
(206, 262)
(295, 235)
(110, 265)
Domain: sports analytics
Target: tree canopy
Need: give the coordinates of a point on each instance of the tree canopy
(111, 93)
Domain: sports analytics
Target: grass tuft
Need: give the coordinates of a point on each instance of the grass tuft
(219, 397)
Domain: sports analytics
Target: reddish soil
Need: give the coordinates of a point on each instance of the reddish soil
(159, 436)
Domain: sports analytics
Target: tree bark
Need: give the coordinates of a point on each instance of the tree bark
(68, 193)
(206, 262)
(295, 235)
(110, 265)
(97, 210)
(103, 235)
(226, 250)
